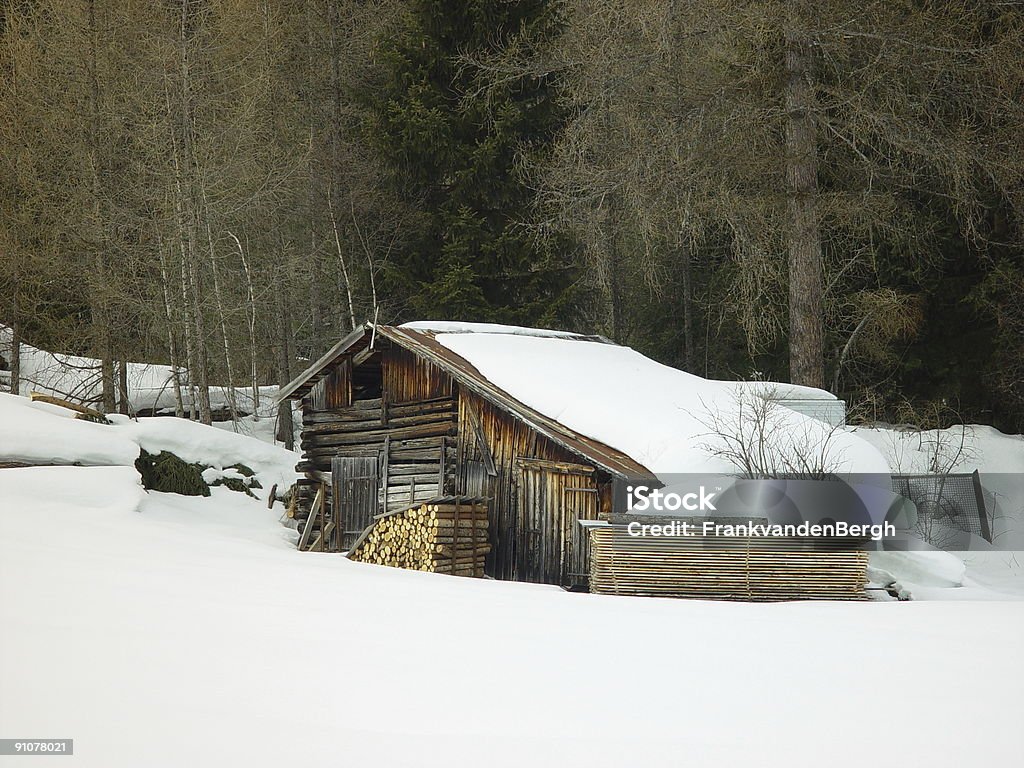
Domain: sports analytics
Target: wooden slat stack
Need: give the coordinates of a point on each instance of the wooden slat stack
(446, 536)
(719, 568)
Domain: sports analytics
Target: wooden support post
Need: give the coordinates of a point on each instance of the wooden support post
(384, 469)
(307, 531)
(323, 513)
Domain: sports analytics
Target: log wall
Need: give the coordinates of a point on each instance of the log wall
(413, 435)
(407, 378)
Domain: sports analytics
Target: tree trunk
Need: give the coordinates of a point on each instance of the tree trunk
(123, 403)
(172, 345)
(198, 373)
(341, 261)
(221, 315)
(285, 427)
(613, 276)
(689, 352)
(100, 316)
(806, 350)
(250, 317)
(202, 380)
(190, 353)
(15, 348)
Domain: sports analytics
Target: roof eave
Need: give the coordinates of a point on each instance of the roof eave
(298, 386)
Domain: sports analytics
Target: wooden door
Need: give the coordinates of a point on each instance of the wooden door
(354, 499)
(553, 548)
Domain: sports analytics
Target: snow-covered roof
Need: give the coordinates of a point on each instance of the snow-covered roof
(78, 378)
(445, 326)
(612, 404)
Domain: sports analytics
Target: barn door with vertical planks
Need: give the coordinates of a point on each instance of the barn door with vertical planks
(580, 501)
(552, 497)
(354, 498)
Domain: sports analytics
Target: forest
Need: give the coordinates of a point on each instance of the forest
(829, 193)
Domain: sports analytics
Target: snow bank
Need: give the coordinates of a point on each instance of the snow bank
(999, 459)
(32, 491)
(962, 448)
(46, 434)
(922, 567)
(659, 416)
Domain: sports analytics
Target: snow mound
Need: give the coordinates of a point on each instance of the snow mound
(195, 442)
(659, 416)
(45, 490)
(926, 568)
(37, 433)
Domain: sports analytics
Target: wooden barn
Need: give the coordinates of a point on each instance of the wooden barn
(397, 416)
(391, 416)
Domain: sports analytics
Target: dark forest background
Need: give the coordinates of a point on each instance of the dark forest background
(824, 192)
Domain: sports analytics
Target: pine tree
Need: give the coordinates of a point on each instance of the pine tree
(454, 138)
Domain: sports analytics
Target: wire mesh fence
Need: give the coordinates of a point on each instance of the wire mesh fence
(945, 503)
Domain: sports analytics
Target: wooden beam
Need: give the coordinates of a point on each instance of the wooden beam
(318, 501)
(81, 410)
(481, 439)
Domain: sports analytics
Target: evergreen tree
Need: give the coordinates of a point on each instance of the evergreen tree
(455, 137)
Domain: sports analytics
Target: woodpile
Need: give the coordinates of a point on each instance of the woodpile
(720, 568)
(442, 536)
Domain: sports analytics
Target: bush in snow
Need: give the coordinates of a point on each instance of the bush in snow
(166, 472)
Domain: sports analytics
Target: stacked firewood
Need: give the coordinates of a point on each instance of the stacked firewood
(437, 537)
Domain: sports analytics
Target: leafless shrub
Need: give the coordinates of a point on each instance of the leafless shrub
(763, 438)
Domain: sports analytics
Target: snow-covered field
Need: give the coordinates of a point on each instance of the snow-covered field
(160, 630)
(190, 632)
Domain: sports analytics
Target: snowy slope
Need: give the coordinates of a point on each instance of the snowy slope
(660, 416)
(192, 633)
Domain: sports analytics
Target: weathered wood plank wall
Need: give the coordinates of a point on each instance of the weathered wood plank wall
(506, 440)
